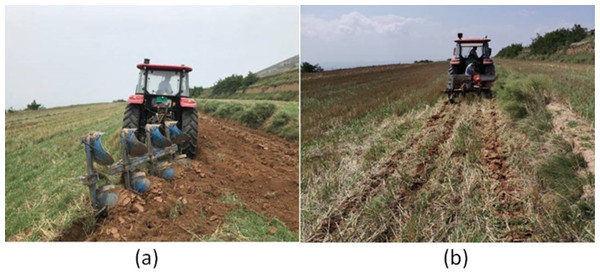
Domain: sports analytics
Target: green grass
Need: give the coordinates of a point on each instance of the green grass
(580, 57)
(245, 225)
(281, 96)
(278, 117)
(570, 83)
(558, 174)
(524, 99)
(560, 178)
(278, 79)
(264, 84)
(43, 161)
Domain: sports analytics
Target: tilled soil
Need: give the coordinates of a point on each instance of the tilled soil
(368, 188)
(426, 148)
(258, 169)
(509, 203)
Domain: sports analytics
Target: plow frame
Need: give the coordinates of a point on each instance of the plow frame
(158, 158)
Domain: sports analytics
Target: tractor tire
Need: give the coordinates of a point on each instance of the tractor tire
(131, 119)
(452, 97)
(189, 121)
(488, 94)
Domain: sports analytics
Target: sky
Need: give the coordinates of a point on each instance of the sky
(350, 36)
(64, 55)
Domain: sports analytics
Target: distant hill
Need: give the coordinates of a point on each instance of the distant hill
(287, 65)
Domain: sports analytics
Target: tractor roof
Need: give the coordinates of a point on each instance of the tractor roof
(472, 40)
(164, 67)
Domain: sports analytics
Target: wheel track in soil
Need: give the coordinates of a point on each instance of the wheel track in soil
(420, 177)
(508, 203)
(369, 187)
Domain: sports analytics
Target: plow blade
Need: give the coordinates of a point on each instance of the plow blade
(156, 137)
(165, 171)
(94, 147)
(134, 147)
(139, 182)
(158, 151)
(105, 197)
(176, 135)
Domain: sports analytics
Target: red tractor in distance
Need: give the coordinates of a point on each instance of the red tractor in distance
(471, 68)
(162, 95)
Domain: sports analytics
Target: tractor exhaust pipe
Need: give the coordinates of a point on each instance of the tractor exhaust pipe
(460, 35)
(146, 60)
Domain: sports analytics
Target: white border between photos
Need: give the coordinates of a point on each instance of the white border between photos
(295, 258)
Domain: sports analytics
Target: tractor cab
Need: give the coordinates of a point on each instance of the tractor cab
(471, 67)
(164, 80)
(471, 50)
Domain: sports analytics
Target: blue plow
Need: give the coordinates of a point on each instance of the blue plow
(159, 151)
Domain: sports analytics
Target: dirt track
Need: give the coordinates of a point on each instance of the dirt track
(258, 169)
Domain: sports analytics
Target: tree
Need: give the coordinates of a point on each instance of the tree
(511, 51)
(196, 91)
(555, 40)
(228, 85)
(33, 106)
(250, 79)
(310, 68)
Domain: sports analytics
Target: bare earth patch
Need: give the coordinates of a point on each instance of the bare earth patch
(574, 130)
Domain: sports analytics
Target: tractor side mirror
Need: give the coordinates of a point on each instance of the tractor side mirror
(490, 52)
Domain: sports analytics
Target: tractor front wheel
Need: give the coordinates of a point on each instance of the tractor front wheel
(189, 121)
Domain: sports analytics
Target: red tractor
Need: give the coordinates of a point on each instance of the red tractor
(162, 95)
(471, 68)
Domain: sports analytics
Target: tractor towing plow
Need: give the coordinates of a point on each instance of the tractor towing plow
(160, 126)
(471, 68)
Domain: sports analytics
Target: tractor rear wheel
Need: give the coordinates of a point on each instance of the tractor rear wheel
(189, 121)
(131, 118)
(488, 94)
(452, 97)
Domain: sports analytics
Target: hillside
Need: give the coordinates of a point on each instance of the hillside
(290, 64)
(385, 158)
(574, 45)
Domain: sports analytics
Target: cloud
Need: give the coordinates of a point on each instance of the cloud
(354, 24)
(527, 13)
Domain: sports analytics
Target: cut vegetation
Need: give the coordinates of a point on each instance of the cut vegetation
(386, 158)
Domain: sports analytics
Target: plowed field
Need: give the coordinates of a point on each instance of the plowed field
(414, 168)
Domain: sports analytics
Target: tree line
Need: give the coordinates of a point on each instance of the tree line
(548, 43)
